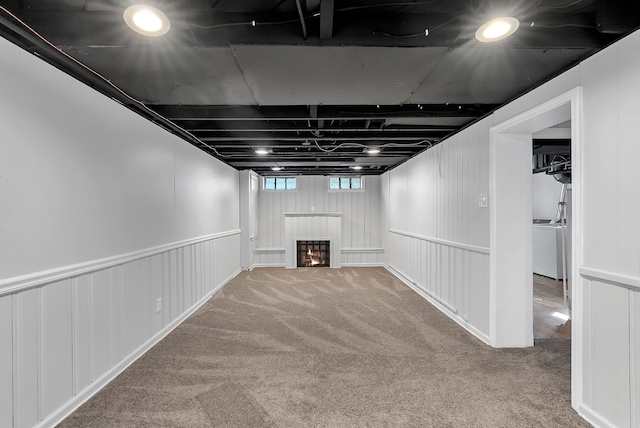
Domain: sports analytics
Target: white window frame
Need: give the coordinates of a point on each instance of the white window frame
(350, 177)
(266, 177)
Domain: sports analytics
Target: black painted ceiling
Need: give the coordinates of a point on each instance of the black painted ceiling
(235, 75)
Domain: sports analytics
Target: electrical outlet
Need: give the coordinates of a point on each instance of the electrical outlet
(158, 305)
(482, 200)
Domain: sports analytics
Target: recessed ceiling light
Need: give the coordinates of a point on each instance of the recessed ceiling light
(146, 20)
(497, 29)
(262, 151)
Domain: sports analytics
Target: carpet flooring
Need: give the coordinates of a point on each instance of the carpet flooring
(320, 347)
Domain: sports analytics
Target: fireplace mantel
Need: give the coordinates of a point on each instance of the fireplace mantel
(310, 226)
(312, 214)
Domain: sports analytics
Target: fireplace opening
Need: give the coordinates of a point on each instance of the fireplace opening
(313, 254)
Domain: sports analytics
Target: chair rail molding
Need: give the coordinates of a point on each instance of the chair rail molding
(36, 279)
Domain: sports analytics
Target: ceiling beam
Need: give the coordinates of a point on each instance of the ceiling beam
(276, 128)
(312, 138)
(326, 19)
(301, 113)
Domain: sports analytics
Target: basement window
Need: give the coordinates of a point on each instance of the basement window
(280, 183)
(346, 183)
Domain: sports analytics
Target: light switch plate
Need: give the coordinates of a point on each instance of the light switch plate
(482, 200)
(158, 305)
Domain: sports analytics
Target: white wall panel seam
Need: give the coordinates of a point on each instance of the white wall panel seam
(16, 333)
(92, 325)
(109, 285)
(592, 344)
(13, 357)
(121, 312)
(41, 351)
(74, 335)
(634, 357)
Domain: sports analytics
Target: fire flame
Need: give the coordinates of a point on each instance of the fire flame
(314, 258)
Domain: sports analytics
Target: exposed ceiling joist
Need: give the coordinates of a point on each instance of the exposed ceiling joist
(317, 82)
(326, 19)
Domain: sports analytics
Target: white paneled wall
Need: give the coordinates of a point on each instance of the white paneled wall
(361, 219)
(606, 318)
(104, 217)
(63, 340)
(610, 267)
(438, 237)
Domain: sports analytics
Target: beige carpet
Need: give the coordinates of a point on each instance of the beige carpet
(320, 347)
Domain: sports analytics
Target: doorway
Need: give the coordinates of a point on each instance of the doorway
(511, 282)
(511, 291)
(551, 181)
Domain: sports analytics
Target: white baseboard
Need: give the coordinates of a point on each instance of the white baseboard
(444, 309)
(264, 265)
(59, 415)
(374, 264)
(282, 265)
(594, 418)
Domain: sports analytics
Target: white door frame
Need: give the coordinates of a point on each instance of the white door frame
(511, 288)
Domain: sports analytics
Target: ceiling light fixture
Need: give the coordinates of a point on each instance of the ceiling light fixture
(262, 151)
(497, 29)
(146, 20)
(356, 167)
(373, 151)
(276, 168)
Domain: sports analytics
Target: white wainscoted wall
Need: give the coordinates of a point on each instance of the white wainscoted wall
(433, 221)
(606, 318)
(361, 237)
(111, 232)
(437, 236)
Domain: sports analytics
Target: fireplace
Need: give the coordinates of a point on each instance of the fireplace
(313, 253)
(312, 226)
